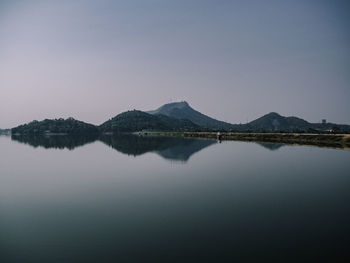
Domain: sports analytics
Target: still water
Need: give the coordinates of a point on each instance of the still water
(157, 199)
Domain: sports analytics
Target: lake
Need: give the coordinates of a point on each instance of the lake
(158, 199)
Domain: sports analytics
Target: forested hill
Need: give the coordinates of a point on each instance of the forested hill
(130, 121)
(271, 122)
(135, 120)
(177, 116)
(182, 110)
(274, 122)
(68, 126)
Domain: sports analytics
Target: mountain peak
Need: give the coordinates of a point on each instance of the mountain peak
(182, 110)
(273, 114)
(166, 109)
(180, 104)
(275, 122)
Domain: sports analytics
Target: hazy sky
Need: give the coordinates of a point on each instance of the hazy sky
(232, 60)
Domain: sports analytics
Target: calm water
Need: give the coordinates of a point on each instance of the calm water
(154, 199)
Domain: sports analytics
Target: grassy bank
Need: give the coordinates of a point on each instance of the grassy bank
(323, 140)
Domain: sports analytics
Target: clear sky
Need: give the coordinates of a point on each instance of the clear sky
(232, 60)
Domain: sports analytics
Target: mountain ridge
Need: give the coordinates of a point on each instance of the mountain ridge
(69, 126)
(270, 122)
(182, 110)
(131, 121)
(274, 122)
(178, 116)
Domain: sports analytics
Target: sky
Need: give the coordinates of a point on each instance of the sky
(232, 60)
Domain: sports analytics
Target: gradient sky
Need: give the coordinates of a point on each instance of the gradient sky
(232, 60)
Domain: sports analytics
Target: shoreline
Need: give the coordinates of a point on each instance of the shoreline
(339, 141)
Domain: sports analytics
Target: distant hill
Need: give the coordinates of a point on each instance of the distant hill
(177, 116)
(68, 126)
(273, 122)
(182, 110)
(132, 121)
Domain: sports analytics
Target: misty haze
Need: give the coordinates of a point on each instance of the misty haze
(174, 131)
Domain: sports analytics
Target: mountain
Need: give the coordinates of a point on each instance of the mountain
(132, 121)
(273, 122)
(68, 126)
(182, 110)
(177, 116)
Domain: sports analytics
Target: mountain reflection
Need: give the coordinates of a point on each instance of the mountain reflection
(171, 148)
(271, 146)
(56, 142)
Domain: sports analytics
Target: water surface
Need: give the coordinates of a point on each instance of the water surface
(148, 199)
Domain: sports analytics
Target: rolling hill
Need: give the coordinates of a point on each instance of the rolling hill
(177, 116)
(132, 121)
(68, 126)
(182, 110)
(274, 122)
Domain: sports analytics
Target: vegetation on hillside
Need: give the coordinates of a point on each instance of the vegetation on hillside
(177, 117)
(68, 126)
(273, 122)
(132, 121)
(182, 110)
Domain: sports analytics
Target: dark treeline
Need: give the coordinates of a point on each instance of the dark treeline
(135, 120)
(131, 121)
(68, 126)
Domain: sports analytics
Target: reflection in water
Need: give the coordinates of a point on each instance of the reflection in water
(235, 203)
(172, 148)
(56, 142)
(271, 146)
